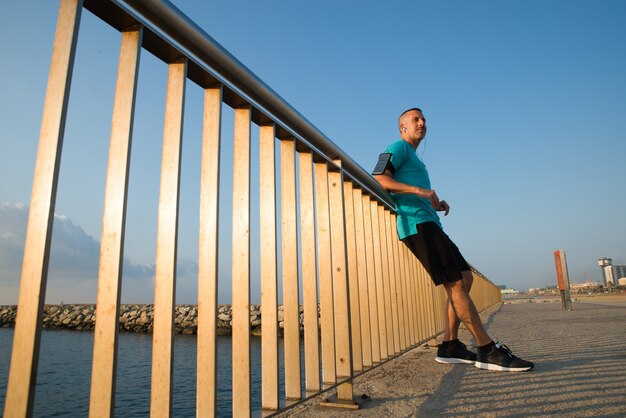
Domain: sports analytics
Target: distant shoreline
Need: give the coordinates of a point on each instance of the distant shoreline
(576, 297)
(138, 318)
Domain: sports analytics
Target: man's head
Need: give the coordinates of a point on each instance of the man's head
(412, 126)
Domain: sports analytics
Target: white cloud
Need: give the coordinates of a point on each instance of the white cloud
(73, 268)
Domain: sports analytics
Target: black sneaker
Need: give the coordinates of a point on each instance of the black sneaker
(454, 352)
(499, 357)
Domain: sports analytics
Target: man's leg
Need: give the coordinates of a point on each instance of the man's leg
(451, 327)
(466, 311)
(491, 356)
(451, 350)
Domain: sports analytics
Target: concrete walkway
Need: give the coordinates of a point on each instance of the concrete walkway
(580, 369)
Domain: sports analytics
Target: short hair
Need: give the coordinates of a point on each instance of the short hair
(407, 111)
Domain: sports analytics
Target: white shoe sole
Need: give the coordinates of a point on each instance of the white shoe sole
(446, 360)
(489, 366)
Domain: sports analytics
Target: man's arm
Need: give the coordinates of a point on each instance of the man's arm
(390, 184)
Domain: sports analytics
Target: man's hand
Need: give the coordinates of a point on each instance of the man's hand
(443, 207)
(438, 205)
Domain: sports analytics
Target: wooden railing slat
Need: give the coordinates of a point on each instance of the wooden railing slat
(269, 287)
(25, 352)
(366, 335)
(327, 315)
(341, 297)
(241, 265)
(372, 282)
(206, 398)
(309, 273)
(113, 221)
(167, 236)
(291, 307)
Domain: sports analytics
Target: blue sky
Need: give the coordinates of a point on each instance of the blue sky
(525, 103)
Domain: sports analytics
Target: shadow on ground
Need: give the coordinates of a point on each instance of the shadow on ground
(580, 371)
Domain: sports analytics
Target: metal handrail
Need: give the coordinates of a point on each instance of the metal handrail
(169, 34)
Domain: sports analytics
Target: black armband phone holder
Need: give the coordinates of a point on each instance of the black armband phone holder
(383, 164)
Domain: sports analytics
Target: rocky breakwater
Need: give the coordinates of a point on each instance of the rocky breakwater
(139, 318)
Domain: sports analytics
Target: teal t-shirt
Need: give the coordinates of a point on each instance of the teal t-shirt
(411, 209)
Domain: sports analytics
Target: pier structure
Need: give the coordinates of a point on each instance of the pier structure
(327, 231)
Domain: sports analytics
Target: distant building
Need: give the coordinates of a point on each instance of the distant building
(611, 273)
(619, 272)
(548, 290)
(605, 267)
(509, 291)
(501, 286)
(622, 281)
(584, 287)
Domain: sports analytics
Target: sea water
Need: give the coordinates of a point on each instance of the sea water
(64, 374)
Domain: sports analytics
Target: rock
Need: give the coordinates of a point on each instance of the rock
(139, 318)
(143, 319)
(190, 330)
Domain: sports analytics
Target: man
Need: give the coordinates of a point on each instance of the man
(404, 175)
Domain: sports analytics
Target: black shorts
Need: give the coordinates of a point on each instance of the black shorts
(438, 254)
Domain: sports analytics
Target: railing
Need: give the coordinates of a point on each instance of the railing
(337, 237)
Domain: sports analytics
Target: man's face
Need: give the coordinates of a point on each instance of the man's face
(415, 125)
